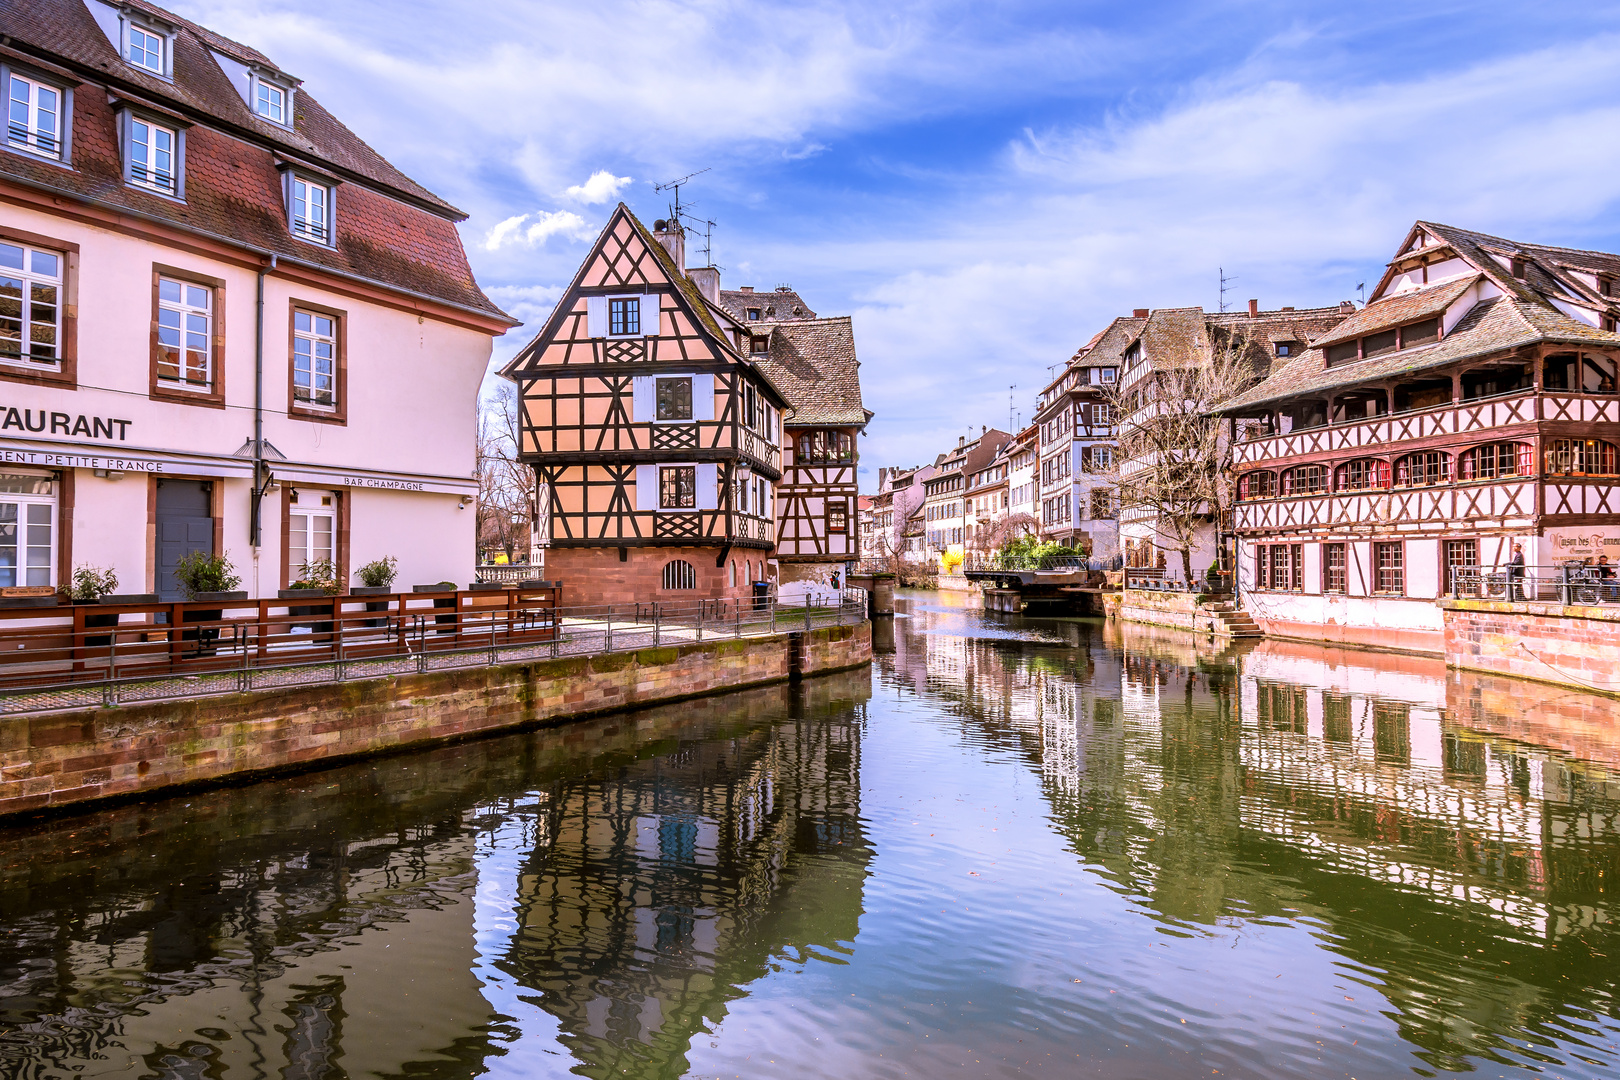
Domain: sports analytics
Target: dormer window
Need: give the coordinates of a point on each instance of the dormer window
(1516, 267)
(34, 116)
(270, 101)
(146, 48)
(759, 346)
(310, 210)
(753, 314)
(1285, 348)
(1606, 286)
(153, 151)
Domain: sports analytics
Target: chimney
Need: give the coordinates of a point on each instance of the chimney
(961, 441)
(1139, 313)
(707, 279)
(673, 237)
(747, 288)
(983, 428)
(1288, 309)
(1254, 309)
(1347, 305)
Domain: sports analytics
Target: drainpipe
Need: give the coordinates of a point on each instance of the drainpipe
(255, 511)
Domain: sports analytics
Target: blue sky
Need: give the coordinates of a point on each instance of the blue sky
(981, 185)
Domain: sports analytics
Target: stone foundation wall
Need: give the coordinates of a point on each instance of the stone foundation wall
(596, 576)
(66, 759)
(1570, 646)
(1179, 610)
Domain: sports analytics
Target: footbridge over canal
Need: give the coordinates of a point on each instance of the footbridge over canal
(1049, 582)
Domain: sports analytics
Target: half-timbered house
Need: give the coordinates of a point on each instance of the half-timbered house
(655, 439)
(1469, 407)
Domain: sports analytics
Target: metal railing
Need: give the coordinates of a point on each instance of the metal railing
(1571, 583)
(88, 656)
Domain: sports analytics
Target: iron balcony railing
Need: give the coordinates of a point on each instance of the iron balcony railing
(1576, 584)
(87, 655)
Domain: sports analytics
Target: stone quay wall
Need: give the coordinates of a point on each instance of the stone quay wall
(1179, 610)
(56, 760)
(1553, 643)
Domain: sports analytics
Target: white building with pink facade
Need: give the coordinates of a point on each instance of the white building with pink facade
(226, 323)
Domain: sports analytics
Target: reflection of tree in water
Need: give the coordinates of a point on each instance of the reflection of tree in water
(1475, 891)
(674, 878)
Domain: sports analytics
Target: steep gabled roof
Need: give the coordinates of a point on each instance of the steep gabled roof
(1397, 310)
(813, 362)
(781, 304)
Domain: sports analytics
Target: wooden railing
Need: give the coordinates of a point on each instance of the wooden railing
(761, 449)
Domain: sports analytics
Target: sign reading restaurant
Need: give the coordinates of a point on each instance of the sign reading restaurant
(44, 422)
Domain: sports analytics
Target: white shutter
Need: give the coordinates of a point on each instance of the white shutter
(708, 495)
(642, 390)
(596, 316)
(646, 487)
(649, 314)
(702, 397)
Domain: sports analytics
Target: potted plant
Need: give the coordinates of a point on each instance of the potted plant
(446, 623)
(316, 578)
(87, 586)
(206, 577)
(376, 579)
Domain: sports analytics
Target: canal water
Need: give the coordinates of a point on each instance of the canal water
(1014, 847)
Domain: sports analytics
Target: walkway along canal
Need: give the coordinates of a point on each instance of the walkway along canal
(1011, 847)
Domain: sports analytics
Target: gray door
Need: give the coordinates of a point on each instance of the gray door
(185, 523)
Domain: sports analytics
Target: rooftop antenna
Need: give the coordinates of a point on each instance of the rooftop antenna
(1362, 289)
(1226, 285)
(675, 186)
(708, 238)
(1012, 417)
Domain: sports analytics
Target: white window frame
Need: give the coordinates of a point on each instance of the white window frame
(31, 278)
(312, 506)
(313, 339)
(21, 565)
(264, 93)
(186, 312)
(165, 50)
(25, 135)
(299, 188)
(140, 175)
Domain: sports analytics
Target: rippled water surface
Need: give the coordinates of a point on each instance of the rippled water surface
(1013, 848)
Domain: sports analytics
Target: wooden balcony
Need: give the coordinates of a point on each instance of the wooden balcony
(1482, 416)
(762, 450)
(1512, 500)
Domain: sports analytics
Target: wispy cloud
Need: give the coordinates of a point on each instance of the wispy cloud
(601, 187)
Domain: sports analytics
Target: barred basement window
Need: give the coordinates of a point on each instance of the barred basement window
(678, 574)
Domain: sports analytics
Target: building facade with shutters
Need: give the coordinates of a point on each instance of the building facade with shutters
(226, 323)
(1470, 406)
(655, 436)
(1075, 504)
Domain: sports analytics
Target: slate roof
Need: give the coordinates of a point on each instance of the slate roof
(813, 362)
(780, 304)
(389, 229)
(1522, 316)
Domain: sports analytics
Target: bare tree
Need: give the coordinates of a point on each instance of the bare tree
(991, 536)
(506, 486)
(1174, 460)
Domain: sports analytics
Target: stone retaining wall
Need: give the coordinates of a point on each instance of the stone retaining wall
(1570, 646)
(1179, 610)
(64, 759)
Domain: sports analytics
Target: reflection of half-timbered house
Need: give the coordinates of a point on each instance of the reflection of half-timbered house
(1470, 405)
(656, 440)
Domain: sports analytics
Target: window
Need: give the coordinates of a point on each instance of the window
(1102, 503)
(146, 48)
(753, 314)
(677, 487)
(153, 156)
(311, 216)
(837, 516)
(624, 315)
(34, 117)
(679, 574)
(1496, 460)
(270, 101)
(1304, 480)
(1333, 568)
(1101, 415)
(185, 353)
(1580, 457)
(759, 346)
(1285, 348)
(30, 305)
(1100, 459)
(1367, 474)
(674, 398)
(1262, 567)
(1342, 353)
(1423, 470)
(1460, 555)
(311, 530)
(315, 353)
(1389, 563)
(27, 530)
(1257, 485)
(1420, 333)
(822, 447)
(1516, 267)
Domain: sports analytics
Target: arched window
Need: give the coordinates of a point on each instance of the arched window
(1496, 460)
(1257, 485)
(678, 574)
(1423, 470)
(1304, 480)
(1366, 474)
(733, 577)
(1580, 457)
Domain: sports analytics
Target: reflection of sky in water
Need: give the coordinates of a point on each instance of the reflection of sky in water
(1018, 846)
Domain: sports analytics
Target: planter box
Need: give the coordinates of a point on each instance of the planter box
(536, 583)
(489, 586)
(220, 597)
(301, 594)
(437, 587)
(28, 601)
(372, 590)
(129, 598)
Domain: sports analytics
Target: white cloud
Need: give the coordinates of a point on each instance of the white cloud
(601, 187)
(541, 226)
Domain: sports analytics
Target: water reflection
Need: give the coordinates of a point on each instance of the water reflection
(1016, 846)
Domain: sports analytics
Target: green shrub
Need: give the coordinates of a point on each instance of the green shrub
(90, 583)
(378, 573)
(320, 574)
(200, 572)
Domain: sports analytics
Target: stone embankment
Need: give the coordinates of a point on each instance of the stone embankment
(1184, 611)
(68, 759)
(1557, 643)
